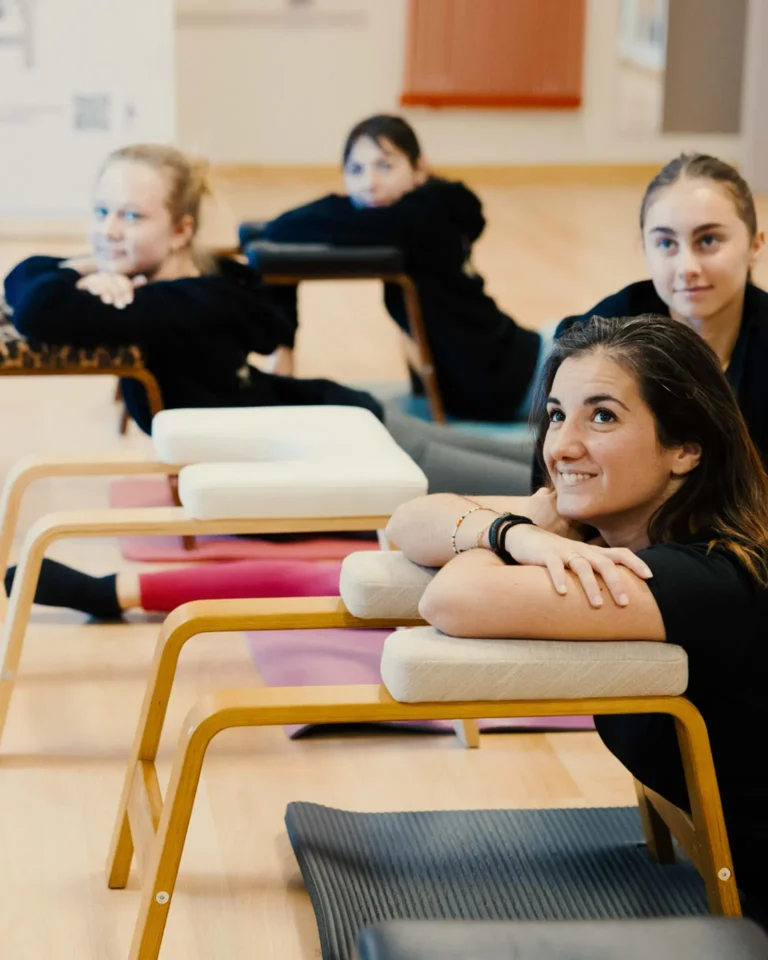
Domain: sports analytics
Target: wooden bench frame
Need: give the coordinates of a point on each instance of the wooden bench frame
(155, 829)
(418, 353)
(154, 399)
(415, 343)
(29, 470)
(146, 521)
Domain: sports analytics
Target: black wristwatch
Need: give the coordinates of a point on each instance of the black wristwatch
(497, 533)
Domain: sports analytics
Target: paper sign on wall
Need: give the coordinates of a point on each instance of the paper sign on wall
(78, 78)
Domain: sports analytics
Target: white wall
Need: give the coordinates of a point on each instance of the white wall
(261, 81)
(754, 121)
(91, 78)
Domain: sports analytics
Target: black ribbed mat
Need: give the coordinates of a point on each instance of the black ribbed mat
(362, 868)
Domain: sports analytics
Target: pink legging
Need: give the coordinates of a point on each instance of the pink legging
(239, 580)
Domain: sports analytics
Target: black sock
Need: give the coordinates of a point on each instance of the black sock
(62, 586)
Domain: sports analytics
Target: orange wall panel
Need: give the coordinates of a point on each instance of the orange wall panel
(494, 53)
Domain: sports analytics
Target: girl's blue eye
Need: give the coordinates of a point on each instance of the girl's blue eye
(555, 416)
(100, 212)
(665, 243)
(131, 215)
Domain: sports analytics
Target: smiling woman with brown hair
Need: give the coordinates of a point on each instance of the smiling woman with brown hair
(653, 526)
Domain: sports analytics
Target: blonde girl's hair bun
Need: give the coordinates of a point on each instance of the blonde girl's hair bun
(199, 178)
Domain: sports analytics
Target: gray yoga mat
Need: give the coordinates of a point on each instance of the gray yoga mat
(364, 868)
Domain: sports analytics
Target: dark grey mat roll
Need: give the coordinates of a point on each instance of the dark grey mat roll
(364, 868)
(671, 938)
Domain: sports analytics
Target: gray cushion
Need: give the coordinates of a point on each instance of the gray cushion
(383, 584)
(421, 665)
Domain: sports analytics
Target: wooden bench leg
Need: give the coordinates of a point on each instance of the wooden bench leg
(162, 852)
(658, 837)
(184, 623)
(162, 849)
(19, 477)
(15, 624)
(188, 541)
(176, 630)
(468, 733)
(121, 848)
(712, 852)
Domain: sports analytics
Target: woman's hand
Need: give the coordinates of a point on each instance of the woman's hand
(114, 289)
(282, 362)
(542, 509)
(536, 547)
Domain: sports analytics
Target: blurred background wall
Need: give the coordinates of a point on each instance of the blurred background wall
(267, 81)
(255, 84)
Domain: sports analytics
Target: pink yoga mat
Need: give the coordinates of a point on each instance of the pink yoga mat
(303, 658)
(156, 493)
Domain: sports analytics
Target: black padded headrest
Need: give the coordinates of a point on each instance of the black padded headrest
(688, 938)
(307, 260)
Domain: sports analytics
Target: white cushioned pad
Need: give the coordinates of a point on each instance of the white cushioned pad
(261, 434)
(421, 665)
(383, 584)
(365, 485)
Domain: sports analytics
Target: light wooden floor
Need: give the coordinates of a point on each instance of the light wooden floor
(548, 251)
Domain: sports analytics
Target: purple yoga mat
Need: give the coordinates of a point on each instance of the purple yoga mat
(303, 658)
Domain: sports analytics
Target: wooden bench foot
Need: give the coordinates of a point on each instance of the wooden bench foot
(658, 837)
(468, 733)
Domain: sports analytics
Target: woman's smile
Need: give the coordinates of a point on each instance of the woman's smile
(572, 478)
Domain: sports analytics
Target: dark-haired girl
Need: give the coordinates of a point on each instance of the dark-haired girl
(484, 361)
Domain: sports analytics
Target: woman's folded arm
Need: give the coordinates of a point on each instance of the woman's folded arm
(476, 595)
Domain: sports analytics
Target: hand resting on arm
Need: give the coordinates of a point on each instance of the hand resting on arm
(555, 590)
(422, 528)
(477, 595)
(113, 289)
